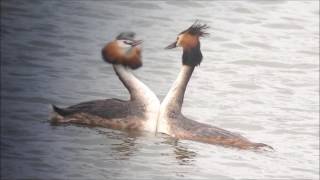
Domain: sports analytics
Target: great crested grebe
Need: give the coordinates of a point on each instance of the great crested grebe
(138, 113)
(171, 121)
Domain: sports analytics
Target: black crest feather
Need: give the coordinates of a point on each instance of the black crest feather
(126, 36)
(197, 29)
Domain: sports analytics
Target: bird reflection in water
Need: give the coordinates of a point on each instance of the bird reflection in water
(183, 155)
(125, 146)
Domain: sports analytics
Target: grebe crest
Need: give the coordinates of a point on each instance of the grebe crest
(189, 41)
(123, 50)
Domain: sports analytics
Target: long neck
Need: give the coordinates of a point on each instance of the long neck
(137, 89)
(140, 93)
(174, 99)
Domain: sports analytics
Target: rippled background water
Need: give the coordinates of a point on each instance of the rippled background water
(259, 77)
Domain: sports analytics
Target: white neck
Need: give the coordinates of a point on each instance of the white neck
(173, 101)
(139, 92)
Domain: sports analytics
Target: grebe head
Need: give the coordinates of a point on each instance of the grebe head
(123, 50)
(189, 41)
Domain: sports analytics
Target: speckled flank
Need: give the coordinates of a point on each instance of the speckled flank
(184, 128)
(128, 123)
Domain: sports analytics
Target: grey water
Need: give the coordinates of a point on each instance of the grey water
(259, 77)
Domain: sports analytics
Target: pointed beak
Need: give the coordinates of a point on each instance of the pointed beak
(173, 45)
(136, 42)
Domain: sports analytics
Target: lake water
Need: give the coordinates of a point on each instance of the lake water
(259, 77)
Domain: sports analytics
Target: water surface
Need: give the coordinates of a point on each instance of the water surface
(259, 77)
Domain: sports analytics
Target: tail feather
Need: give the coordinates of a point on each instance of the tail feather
(263, 146)
(58, 110)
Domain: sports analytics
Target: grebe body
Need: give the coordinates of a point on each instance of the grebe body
(172, 121)
(140, 112)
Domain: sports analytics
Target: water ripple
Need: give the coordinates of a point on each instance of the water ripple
(259, 77)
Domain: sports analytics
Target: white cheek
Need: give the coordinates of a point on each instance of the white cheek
(179, 41)
(121, 44)
(178, 44)
(125, 47)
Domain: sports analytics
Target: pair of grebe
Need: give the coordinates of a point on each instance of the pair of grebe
(144, 111)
